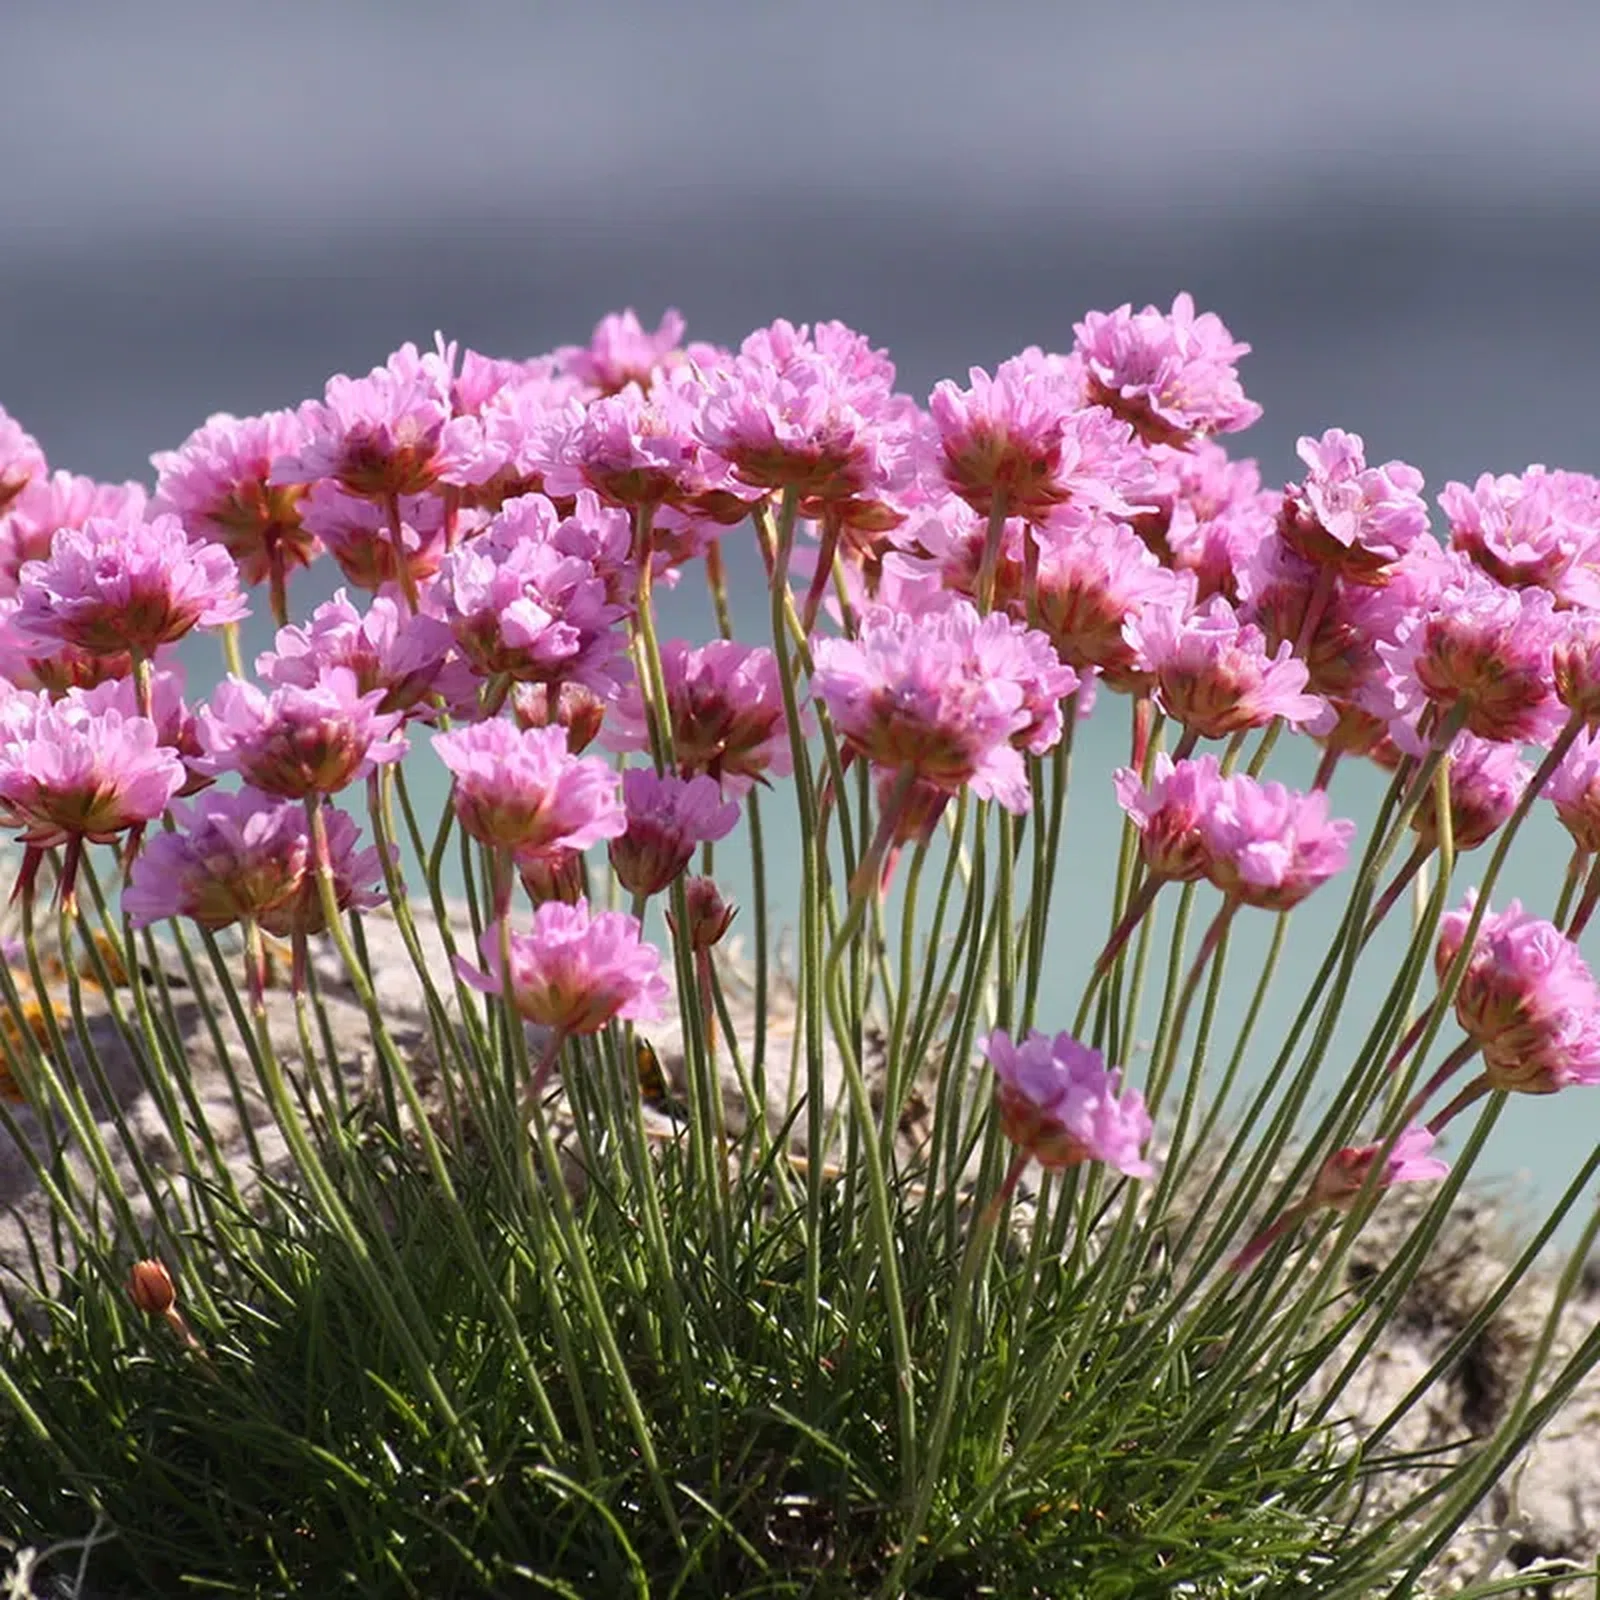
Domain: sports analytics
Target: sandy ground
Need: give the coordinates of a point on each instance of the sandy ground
(1541, 1515)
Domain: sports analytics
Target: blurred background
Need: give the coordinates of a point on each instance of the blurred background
(215, 206)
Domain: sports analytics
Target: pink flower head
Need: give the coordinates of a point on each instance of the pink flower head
(299, 740)
(1208, 515)
(948, 696)
(504, 450)
(1574, 790)
(1169, 813)
(1171, 375)
(524, 791)
(359, 536)
(1027, 436)
(1486, 782)
(1481, 650)
(666, 817)
(620, 352)
(387, 648)
(554, 874)
(21, 459)
(356, 872)
(576, 971)
(710, 916)
(519, 607)
(1526, 531)
(1268, 846)
(376, 436)
(1358, 519)
(60, 501)
(216, 484)
(810, 411)
(177, 726)
(725, 705)
(1213, 673)
(1341, 1178)
(235, 856)
(1575, 663)
(1095, 579)
(580, 713)
(28, 662)
(118, 585)
(1526, 996)
(1058, 1102)
(77, 770)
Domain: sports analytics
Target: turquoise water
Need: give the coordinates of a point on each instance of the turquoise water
(1539, 1141)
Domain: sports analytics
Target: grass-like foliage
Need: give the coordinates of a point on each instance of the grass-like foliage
(875, 1289)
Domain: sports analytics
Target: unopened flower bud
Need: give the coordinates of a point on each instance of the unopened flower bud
(151, 1289)
(569, 705)
(709, 913)
(552, 875)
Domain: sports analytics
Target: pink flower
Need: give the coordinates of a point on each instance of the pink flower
(1209, 514)
(1268, 846)
(118, 585)
(1169, 813)
(1574, 790)
(49, 504)
(74, 770)
(667, 818)
(1343, 1175)
(1213, 674)
(215, 482)
(1171, 375)
(375, 436)
(725, 705)
(359, 536)
(299, 741)
(524, 791)
(580, 713)
(1355, 518)
(21, 459)
(520, 607)
(1486, 782)
(1526, 996)
(236, 856)
(1481, 650)
(810, 411)
(554, 874)
(576, 971)
(710, 916)
(505, 451)
(953, 696)
(1528, 530)
(407, 657)
(28, 662)
(1058, 1102)
(356, 872)
(620, 352)
(1575, 663)
(1028, 436)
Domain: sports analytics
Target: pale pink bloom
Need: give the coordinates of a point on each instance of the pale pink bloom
(1526, 997)
(215, 483)
(359, 535)
(376, 436)
(1358, 519)
(811, 410)
(1171, 374)
(21, 459)
(620, 351)
(1213, 674)
(1574, 790)
(1059, 1103)
(1028, 436)
(356, 874)
(953, 697)
(710, 916)
(505, 451)
(1575, 663)
(667, 818)
(299, 741)
(63, 500)
(407, 656)
(177, 725)
(1269, 846)
(1527, 530)
(1341, 1178)
(725, 706)
(1480, 650)
(1208, 515)
(519, 607)
(28, 662)
(118, 585)
(1486, 782)
(524, 791)
(576, 971)
(76, 770)
(1169, 813)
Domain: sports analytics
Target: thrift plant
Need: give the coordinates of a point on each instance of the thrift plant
(898, 1251)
